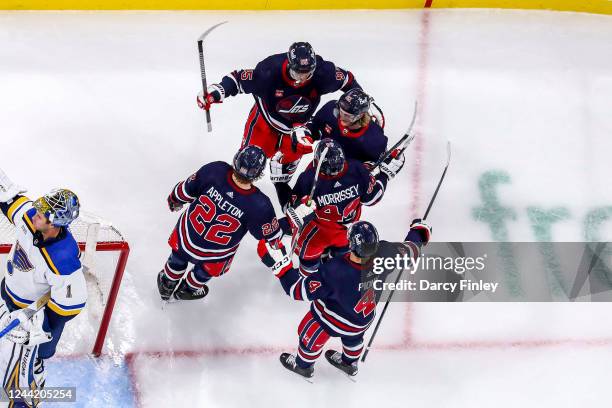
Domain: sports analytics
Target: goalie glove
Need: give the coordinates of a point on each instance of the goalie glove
(420, 231)
(276, 259)
(214, 94)
(301, 140)
(393, 164)
(302, 214)
(8, 189)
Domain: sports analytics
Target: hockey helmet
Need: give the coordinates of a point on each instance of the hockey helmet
(249, 162)
(302, 58)
(333, 161)
(61, 206)
(363, 239)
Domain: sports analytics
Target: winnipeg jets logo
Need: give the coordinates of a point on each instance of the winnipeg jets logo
(337, 184)
(230, 194)
(296, 108)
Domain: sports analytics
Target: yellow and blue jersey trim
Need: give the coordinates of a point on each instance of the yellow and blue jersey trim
(27, 217)
(15, 207)
(64, 310)
(17, 300)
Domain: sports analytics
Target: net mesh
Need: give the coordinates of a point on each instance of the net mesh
(99, 268)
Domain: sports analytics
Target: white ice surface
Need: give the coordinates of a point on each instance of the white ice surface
(104, 103)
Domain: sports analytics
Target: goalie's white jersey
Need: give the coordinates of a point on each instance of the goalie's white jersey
(32, 270)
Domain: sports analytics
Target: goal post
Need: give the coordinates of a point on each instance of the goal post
(95, 237)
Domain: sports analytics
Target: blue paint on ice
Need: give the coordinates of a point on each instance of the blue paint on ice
(99, 382)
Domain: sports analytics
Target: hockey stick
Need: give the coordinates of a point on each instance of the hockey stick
(309, 199)
(401, 144)
(399, 275)
(203, 68)
(29, 312)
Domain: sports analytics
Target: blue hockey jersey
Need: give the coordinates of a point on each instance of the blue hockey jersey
(283, 102)
(339, 198)
(339, 302)
(220, 213)
(365, 144)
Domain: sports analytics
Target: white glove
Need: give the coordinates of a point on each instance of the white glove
(215, 93)
(8, 189)
(29, 331)
(301, 140)
(301, 215)
(276, 259)
(392, 165)
(279, 172)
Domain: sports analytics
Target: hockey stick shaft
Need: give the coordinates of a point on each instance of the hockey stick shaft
(30, 311)
(435, 194)
(399, 275)
(309, 199)
(404, 141)
(203, 68)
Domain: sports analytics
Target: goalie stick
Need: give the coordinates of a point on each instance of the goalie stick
(399, 275)
(29, 311)
(203, 68)
(401, 144)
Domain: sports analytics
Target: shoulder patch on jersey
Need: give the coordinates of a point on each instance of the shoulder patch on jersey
(313, 285)
(62, 257)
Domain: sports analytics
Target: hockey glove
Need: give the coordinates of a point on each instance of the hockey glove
(276, 259)
(173, 204)
(302, 214)
(281, 172)
(8, 189)
(29, 331)
(214, 94)
(301, 140)
(420, 231)
(393, 164)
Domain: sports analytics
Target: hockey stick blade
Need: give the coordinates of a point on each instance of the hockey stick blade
(205, 33)
(203, 67)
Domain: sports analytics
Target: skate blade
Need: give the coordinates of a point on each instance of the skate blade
(165, 303)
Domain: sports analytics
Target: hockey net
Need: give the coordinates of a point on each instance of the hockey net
(104, 254)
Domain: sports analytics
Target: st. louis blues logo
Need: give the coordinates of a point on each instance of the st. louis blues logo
(20, 260)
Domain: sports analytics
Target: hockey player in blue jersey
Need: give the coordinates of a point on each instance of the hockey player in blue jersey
(287, 88)
(343, 186)
(347, 121)
(44, 261)
(223, 206)
(338, 307)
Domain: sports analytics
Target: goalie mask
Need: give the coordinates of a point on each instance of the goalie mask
(60, 206)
